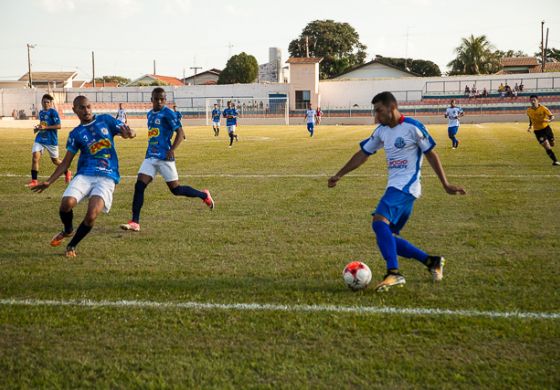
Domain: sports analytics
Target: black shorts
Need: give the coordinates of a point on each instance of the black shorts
(545, 134)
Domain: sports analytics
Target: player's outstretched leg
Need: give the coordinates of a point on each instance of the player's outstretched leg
(137, 203)
(66, 216)
(433, 263)
(387, 245)
(95, 206)
(190, 192)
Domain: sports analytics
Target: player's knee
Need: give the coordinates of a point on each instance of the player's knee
(140, 186)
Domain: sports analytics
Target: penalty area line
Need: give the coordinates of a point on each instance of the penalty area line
(282, 308)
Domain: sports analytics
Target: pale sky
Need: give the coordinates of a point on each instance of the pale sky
(127, 35)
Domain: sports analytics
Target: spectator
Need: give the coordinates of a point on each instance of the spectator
(516, 88)
(484, 92)
(467, 90)
(14, 114)
(521, 86)
(507, 89)
(501, 90)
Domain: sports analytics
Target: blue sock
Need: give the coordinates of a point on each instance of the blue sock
(138, 200)
(386, 243)
(189, 192)
(406, 249)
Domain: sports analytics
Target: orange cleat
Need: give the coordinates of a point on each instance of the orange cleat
(59, 237)
(32, 183)
(70, 251)
(131, 225)
(208, 201)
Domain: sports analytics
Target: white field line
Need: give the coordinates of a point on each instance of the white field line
(283, 308)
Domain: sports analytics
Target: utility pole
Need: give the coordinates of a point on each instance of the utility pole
(545, 48)
(93, 67)
(154, 67)
(196, 68)
(307, 46)
(29, 47)
(542, 46)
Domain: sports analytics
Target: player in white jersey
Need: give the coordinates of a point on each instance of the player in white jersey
(453, 113)
(121, 114)
(405, 141)
(310, 118)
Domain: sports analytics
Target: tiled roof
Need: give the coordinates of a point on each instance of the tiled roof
(548, 67)
(168, 79)
(519, 61)
(303, 60)
(58, 77)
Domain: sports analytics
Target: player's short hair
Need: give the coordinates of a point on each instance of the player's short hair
(534, 96)
(158, 90)
(385, 98)
(47, 97)
(77, 99)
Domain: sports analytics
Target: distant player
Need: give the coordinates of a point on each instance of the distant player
(121, 114)
(231, 115)
(319, 115)
(179, 118)
(539, 119)
(405, 141)
(453, 113)
(216, 116)
(46, 138)
(160, 158)
(97, 175)
(310, 118)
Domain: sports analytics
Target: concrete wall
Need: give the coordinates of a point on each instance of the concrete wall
(304, 77)
(379, 70)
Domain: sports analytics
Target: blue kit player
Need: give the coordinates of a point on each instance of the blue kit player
(216, 116)
(310, 118)
(453, 113)
(405, 141)
(231, 115)
(160, 158)
(98, 171)
(46, 138)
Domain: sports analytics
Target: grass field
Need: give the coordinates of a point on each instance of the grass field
(279, 236)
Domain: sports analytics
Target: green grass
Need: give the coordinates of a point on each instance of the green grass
(284, 240)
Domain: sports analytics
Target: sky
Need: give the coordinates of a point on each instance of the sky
(128, 35)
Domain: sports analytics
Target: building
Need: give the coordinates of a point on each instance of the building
(208, 77)
(375, 69)
(48, 80)
(150, 79)
(516, 65)
(304, 82)
(272, 71)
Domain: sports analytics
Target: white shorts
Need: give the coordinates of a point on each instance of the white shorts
(216, 124)
(82, 186)
(231, 129)
(52, 149)
(167, 169)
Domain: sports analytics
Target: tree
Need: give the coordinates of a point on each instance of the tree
(337, 43)
(423, 68)
(550, 54)
(240, 68)
(113, 79)
(475, 55)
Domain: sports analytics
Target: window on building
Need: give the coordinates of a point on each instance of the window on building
(302, 99)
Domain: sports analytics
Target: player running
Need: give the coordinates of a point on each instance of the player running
(405, 140)
(539, 119)
(231, 115)
(160, 158)
(46, 138)
(121, 114)
(97, 175)
(216, 116)
(453, 113)
(310, 117)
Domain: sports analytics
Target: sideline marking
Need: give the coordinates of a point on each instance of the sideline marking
(283, 308)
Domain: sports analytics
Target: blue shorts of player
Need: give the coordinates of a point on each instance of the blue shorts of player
(396, 206)
(310, 127)
(452, 131)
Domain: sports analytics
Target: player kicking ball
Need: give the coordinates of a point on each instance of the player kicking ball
(160, 158)
(405, 141)
(97, 175)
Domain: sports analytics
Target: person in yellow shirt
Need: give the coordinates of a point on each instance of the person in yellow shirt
(539, 119)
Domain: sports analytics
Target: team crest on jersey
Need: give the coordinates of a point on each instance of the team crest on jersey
(399, 143)
(104, 131)
(158, 121)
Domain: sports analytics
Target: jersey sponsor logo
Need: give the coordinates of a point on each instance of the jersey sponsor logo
(399, 143)
(99, 145)
(398, 164)
(153, 132)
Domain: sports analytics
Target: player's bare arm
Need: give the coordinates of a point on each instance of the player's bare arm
(435, 162)
(356, 161)
(530, 125)
(127, 132)
(60, 169)
(179, 137)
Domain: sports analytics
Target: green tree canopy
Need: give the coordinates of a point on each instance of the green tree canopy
(475, 55)
(240, 68)
(113, 79)
(337, 43)
(421, 67)
(550, 54)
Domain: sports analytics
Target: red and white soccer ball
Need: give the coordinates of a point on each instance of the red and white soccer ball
(357, 275)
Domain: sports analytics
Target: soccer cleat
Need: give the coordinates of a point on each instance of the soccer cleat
(131, 225)
(68, 176)
(556, 163)
(70, 251)
(435, 267)
(208, 201)
(390, 280)
(59, 237)
(32, 183)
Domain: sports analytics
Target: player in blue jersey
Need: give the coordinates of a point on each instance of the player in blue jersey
(405, 141)
(178, 114)
(160, 158)
(231, 115)
(46, 138)
(98, 170)
(216, 115)
(453, 113)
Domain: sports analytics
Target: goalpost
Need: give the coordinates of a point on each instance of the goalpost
(258, 110)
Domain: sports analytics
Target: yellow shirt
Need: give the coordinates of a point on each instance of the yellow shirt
(538, 116)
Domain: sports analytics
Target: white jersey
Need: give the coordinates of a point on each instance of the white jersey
(310, 116)
(404, 146)
(453, 115)
(121, 115)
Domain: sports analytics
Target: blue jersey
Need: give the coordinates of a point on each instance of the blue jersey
(48, 118)
(216, 114)
(179, 116)
(94, 140)
(161, 126)
(231, 112)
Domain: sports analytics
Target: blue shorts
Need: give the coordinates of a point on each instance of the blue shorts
(452, 131)
(396, 206)
(310, 126)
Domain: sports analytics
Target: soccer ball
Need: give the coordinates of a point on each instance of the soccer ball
(357, 275)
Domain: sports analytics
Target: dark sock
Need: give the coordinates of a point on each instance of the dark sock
(230, 139)
(189, 192)
(81, 232)
(66, 218)
(34, 174)
(551, 154)
(138, 200)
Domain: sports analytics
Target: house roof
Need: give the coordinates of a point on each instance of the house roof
(304, 60)
(519, 61)
(99, 84)
(213, 71)
(59, 77)
(376, 61)
(167, 79)
(548, 67)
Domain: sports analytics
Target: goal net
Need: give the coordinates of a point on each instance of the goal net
(269, 110)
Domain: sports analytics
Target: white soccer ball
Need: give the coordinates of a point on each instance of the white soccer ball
(357, 275)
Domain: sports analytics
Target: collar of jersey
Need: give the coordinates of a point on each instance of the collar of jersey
(92, 122)
(401, 119)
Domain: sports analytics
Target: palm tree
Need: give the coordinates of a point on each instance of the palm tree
(475, 55)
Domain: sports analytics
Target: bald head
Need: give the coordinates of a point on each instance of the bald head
(79, 100)
(82, 108)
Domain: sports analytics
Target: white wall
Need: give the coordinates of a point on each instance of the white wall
(20, 99)
(379, 70)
